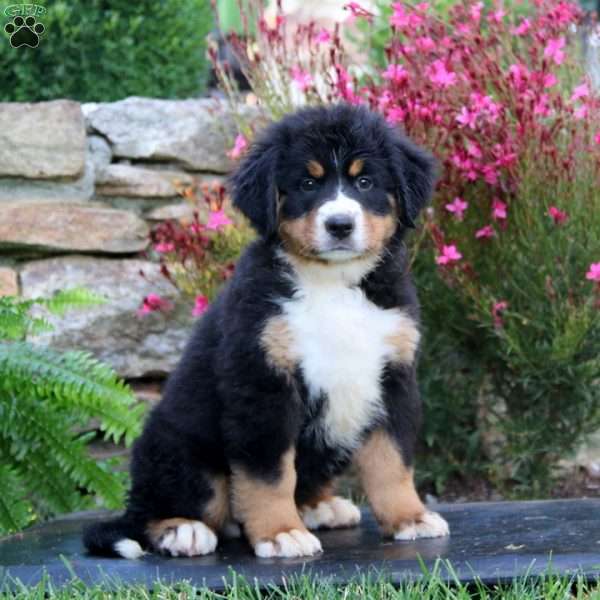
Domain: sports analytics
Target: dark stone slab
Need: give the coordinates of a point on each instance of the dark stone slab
(493, 541)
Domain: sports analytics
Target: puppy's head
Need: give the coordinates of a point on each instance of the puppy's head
(333, 183)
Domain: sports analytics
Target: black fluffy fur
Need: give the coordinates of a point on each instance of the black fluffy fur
(223, 405)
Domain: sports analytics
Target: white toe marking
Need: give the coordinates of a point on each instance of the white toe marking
(336, 512)
(289, 544)
(128, 548)
(431, 525)
(264, 549)
(321, 515)
(189, 539)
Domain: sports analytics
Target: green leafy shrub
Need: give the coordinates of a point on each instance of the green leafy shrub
(97, 51)
(45, 396)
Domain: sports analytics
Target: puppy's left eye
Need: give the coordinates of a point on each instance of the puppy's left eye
(364, 184)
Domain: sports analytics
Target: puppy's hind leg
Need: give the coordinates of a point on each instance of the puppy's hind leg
(190, 537)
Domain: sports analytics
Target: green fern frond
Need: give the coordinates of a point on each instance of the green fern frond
(72, 381)
(64, 300)
(15, 511)
(45, 395)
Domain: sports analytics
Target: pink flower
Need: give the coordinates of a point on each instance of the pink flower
(200, 305)
(519, 74)
(164, 247)
(395, 73)
(440, 75)
(485, 233)
(554, 50)
(449, 255)
(581, 91)
(475, 12)
(399, 17)
(498, 210)
(490, 174)
(217, 219)
(424, 44)
(357, 11)
(457, 207)
(497, 309)
(558, 215)
(581, 112)
(239, 146)
(523, 27)
(597, 138)
(395, 115)
(301, 78)
(467, 118)
(323, 36)
(594, 273)
(542, 106)
(474, 150)
(153, 303)
(550, 79)
(497, 16)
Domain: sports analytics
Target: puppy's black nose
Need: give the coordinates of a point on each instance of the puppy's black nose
(340, 226)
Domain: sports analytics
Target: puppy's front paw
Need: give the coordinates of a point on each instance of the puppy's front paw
(331, 514)
(430, 525)
(289, 544)
(192, 538)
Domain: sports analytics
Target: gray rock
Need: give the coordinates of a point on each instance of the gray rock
(71, 227)
(99, 152)
(127, 180)
(135, 346)
(182, 211)
(42, 140)
(193, 133)
(9, 282)
(14, 189)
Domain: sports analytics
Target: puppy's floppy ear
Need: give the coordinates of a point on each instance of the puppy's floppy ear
(253, 187)
(415, 173)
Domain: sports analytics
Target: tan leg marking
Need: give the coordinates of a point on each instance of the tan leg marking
(277, 341)
(324, 494)
(269, 514)
(315, 169)
(405, 341)
(388, 483)
(182, 537)
(217, 510)
(390, 488)
(356, 166)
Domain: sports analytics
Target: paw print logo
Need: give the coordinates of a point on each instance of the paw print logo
(24, 32)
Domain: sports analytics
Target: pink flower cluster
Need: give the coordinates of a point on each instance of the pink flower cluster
(190, 242)
(481, 89)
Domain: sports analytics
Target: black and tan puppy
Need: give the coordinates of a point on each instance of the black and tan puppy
(305, 363)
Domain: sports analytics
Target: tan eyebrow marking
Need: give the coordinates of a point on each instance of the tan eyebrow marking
(356, 167)
(315, 168)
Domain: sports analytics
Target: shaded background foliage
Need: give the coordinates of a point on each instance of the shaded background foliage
(96, 50)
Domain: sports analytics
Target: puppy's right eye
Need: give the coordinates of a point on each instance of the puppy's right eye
(308, 185)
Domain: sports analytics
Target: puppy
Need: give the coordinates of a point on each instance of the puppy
(303, 365)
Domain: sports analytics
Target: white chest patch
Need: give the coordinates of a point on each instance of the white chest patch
(340, 339)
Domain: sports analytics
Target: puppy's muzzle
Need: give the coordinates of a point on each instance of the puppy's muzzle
(340, 226)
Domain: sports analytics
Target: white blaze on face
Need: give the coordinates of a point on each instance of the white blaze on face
(341, 205)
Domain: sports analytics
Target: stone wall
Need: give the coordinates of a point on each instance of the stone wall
(80, 188)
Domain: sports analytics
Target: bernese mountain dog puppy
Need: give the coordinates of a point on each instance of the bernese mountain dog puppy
(304, 365)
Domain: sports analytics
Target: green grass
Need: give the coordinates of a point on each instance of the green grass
(430, 587)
